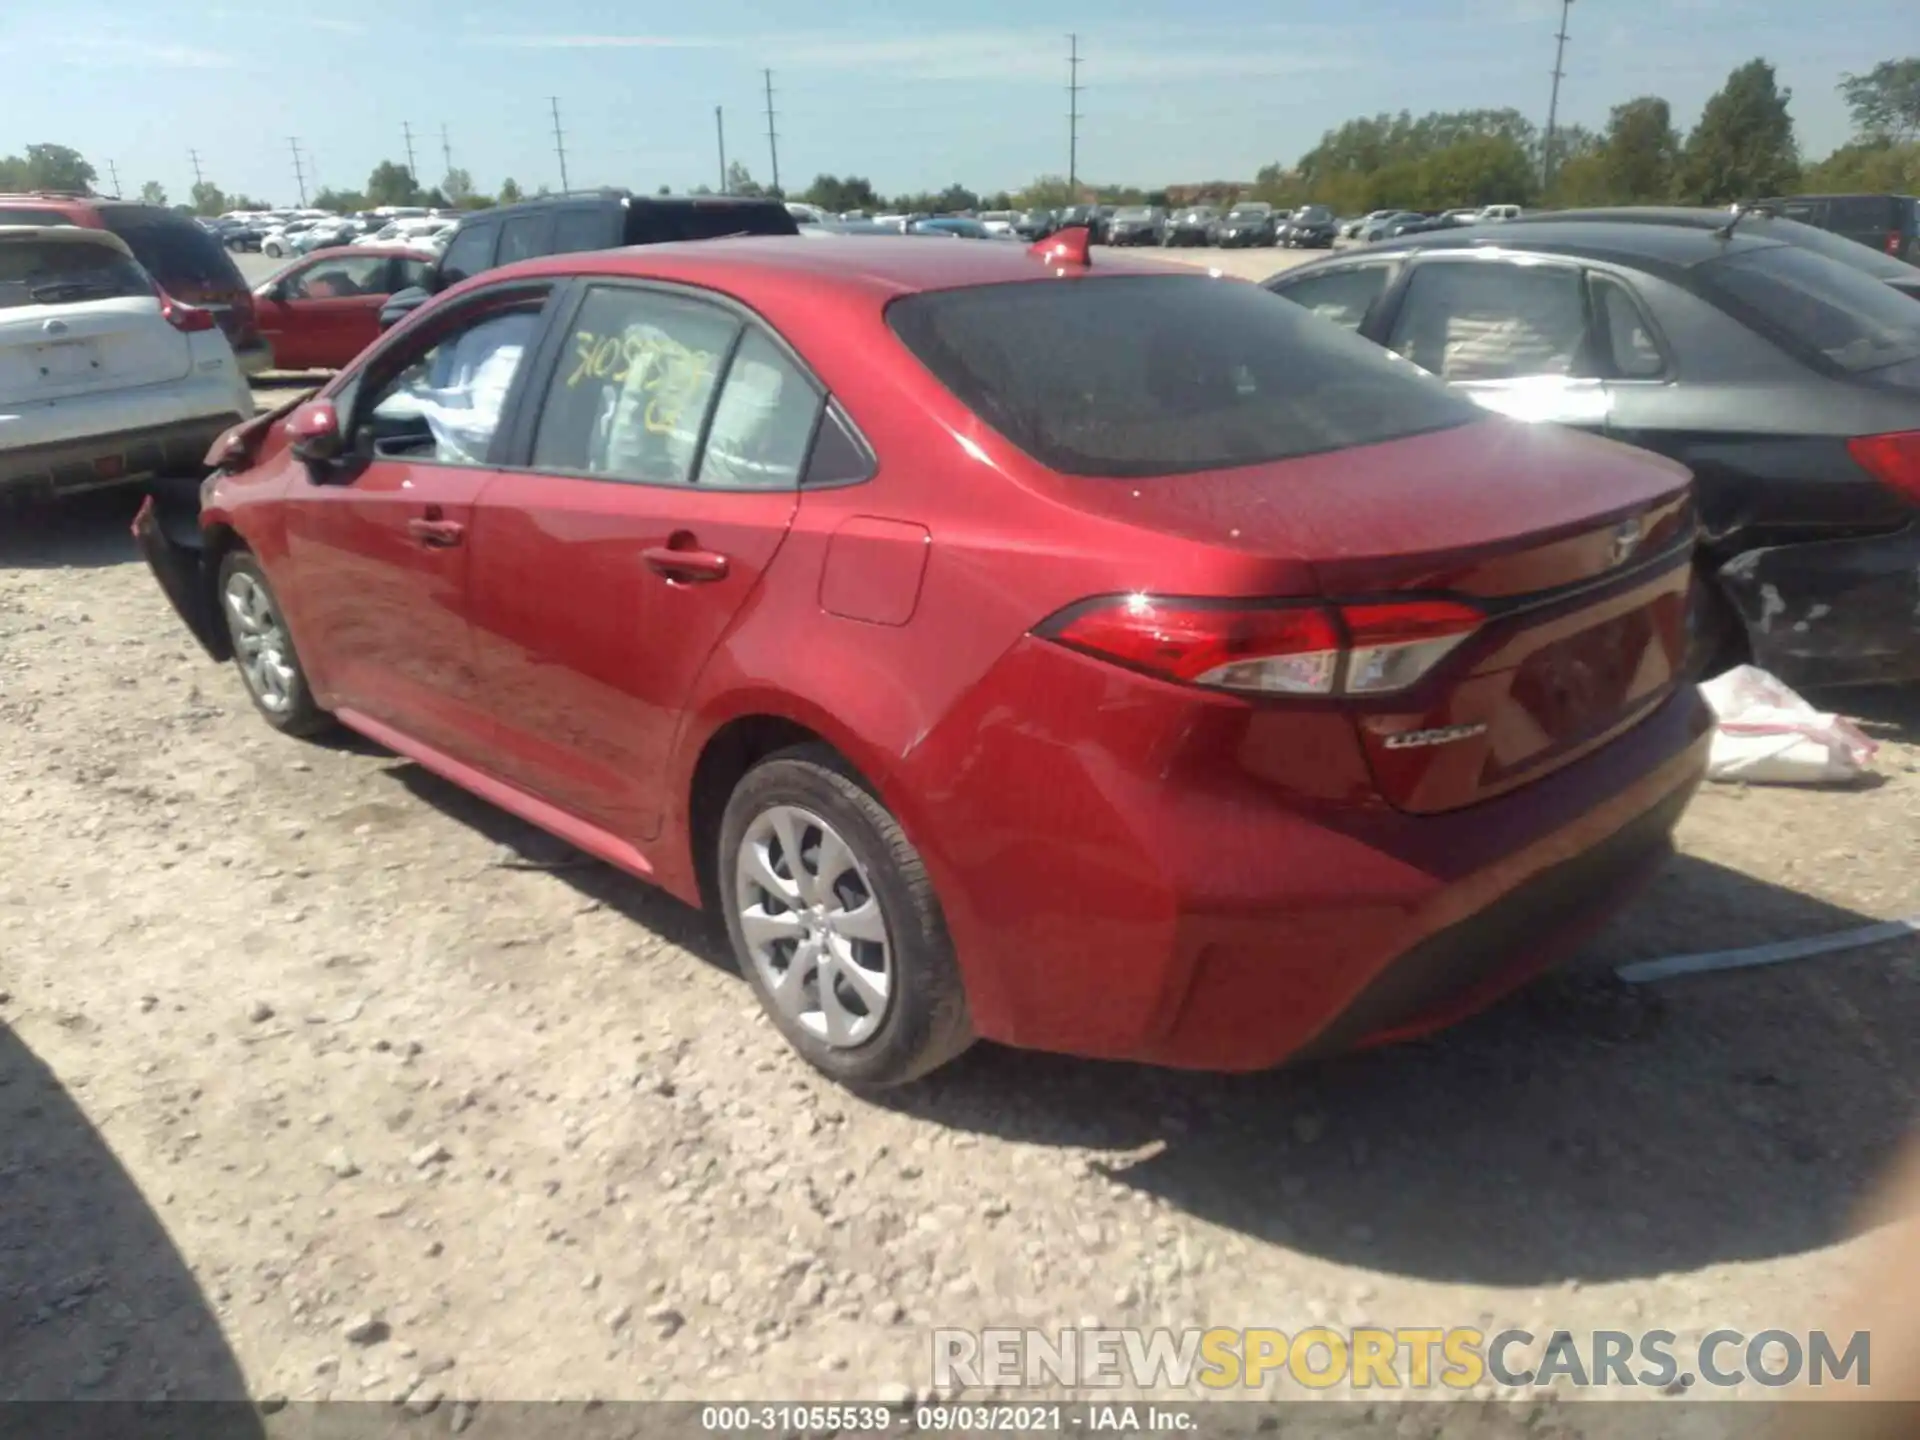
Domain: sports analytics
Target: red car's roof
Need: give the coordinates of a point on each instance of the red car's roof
(876, 263)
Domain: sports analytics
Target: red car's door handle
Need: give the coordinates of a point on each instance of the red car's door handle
(438, 534)
(687, 565)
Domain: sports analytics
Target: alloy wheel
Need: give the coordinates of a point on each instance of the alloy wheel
(260, 640)
(813, 926)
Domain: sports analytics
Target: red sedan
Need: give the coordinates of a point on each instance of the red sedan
(321, 311)
(1085, 656)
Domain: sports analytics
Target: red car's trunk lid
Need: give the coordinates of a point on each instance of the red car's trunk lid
(1575, 547)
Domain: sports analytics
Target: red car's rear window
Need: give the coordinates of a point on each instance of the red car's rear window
(1143, 375)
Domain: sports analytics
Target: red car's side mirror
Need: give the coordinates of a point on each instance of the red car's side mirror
(313, 430)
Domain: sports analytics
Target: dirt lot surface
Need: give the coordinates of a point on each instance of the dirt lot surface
(320, 1079)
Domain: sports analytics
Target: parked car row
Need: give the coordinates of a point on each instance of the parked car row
(279, 233)
(1390, 224)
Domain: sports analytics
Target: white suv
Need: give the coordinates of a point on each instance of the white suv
(102, 379)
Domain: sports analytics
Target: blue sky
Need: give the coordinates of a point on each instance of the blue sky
(967, 90)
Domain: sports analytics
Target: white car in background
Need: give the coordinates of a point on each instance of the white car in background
(278, 244)
(409, 232)
(102, 379)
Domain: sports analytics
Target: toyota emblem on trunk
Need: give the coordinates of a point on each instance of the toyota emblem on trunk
(1626, 540)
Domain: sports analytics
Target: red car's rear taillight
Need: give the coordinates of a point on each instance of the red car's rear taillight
(1371, 648)
(1893, 460)
(1393, 644)
(185, 317)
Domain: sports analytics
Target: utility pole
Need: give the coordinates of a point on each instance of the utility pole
(446, 147)
(1074, 87)
(198, 178)
(559, 144)
(773, 148)
(113, 173)
(299, 175)
(1553, 105)
(720, 130)
(412, 174)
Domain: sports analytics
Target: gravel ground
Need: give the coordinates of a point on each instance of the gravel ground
(319, 1078)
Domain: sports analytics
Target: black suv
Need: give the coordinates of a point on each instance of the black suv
(593, 220)
(1887, 223)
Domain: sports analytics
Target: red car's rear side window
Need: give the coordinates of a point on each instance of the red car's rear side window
(1158, 375)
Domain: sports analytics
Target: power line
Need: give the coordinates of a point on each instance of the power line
(1553, 104)
(720, 131)
(1074, 87)
(559, 143)
(299, 175)
(773, 148)
(407, 131)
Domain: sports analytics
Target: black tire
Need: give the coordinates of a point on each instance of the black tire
(299, 715)
(926, 1022)
(1716, 636)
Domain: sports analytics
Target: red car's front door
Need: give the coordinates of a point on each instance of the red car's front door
(379, 548)
(381, 566)
(605, 575)
(325, 310)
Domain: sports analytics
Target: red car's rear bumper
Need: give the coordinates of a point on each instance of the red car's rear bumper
(1133, 872)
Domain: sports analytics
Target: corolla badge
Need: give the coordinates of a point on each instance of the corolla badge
(1443, 735)
(1626, 539)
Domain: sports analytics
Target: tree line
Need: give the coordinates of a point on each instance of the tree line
(1743, 147)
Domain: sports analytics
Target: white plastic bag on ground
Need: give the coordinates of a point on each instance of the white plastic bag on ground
(1770, 736)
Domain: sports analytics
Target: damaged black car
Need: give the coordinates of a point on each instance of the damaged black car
(1787, 382)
